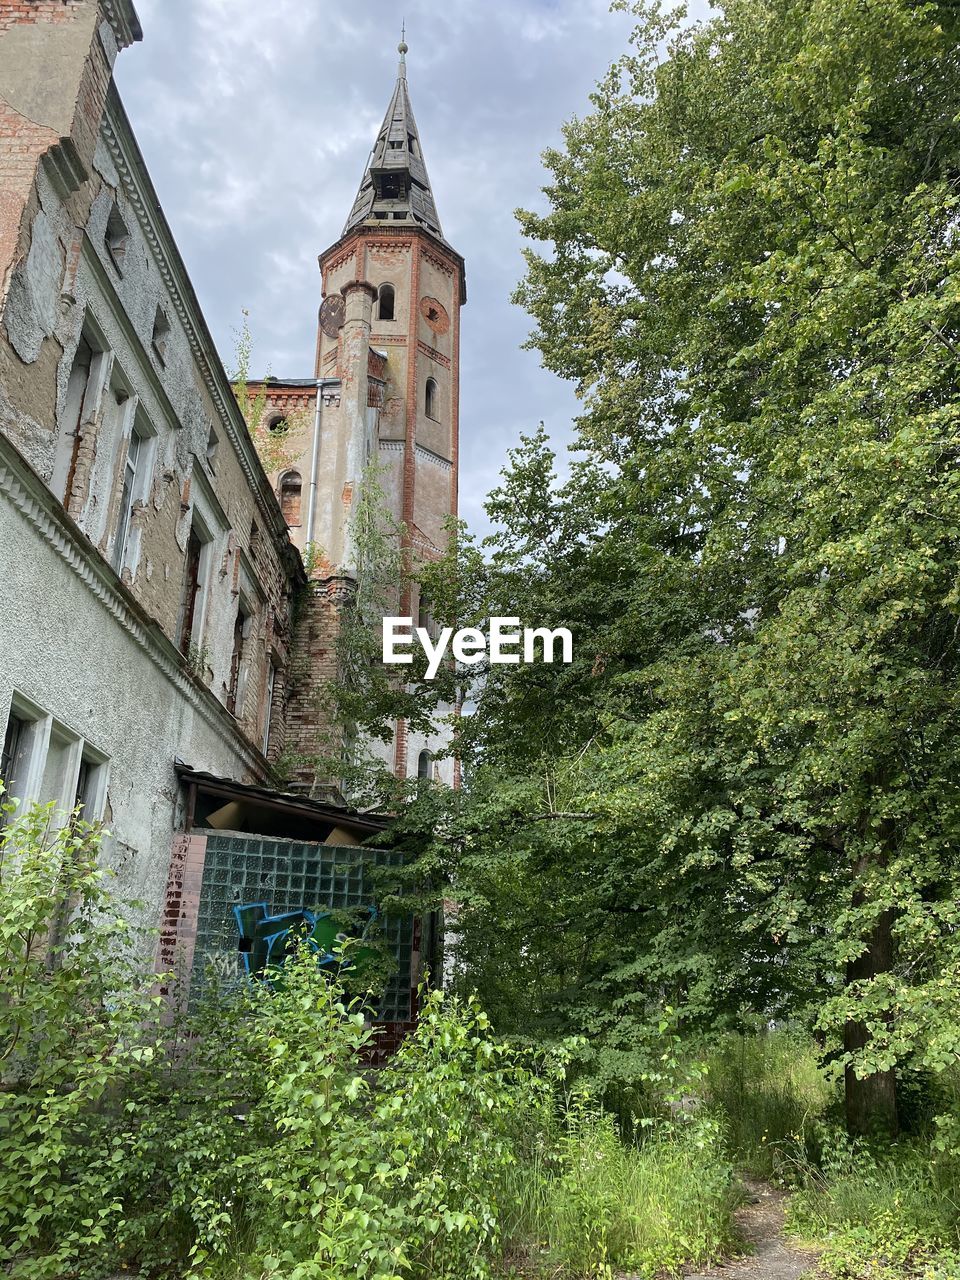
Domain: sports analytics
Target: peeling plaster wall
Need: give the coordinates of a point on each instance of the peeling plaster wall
(66, 286)
(91, 618)
(75, 649)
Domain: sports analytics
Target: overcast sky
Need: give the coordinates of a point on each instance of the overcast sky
(256, 120)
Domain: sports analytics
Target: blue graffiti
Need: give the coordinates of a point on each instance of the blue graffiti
(266, 940)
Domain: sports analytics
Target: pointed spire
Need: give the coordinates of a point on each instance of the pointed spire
(395, 186)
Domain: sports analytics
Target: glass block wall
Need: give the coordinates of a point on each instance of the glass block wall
(289, 877)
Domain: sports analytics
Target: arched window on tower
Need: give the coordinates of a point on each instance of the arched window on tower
(430, 399)
(385, 302)
(425, 764)
(290, 489)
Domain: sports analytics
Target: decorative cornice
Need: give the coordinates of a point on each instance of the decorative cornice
(123, 19)
(28, 494)
(207, 361)
(427, 455)
(433, 354)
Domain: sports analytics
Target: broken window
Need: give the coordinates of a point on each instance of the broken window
(161, 334)
(290, 489)
(241, 632)
(191, 608)
(131, 491)
(430, 399)
(12, 740)
(116, 238)
(385, 302)
(81, 402)
(268, 705)
(44, 761)
(278, 425)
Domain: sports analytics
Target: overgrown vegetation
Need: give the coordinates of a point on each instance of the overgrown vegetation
(706, 876)
(251, 1139)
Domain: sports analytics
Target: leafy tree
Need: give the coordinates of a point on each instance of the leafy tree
(742, 794)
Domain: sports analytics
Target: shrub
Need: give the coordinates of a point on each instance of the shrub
(74, 1028)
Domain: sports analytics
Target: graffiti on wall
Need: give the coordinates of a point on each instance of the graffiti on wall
(265, 939)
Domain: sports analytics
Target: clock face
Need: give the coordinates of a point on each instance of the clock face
(435, 314)
(331, 314)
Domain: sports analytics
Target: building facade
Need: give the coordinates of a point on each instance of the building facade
(148, 576)
(161, 637)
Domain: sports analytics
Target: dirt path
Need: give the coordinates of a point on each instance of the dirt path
(772, 1256)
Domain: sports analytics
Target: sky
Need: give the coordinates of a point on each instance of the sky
(256, 120)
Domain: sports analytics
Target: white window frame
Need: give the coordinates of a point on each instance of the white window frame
(33, 757)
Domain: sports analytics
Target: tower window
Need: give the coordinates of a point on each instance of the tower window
(290, 490)
(430, 399)
(391, 188)
(425, 764)
(385, 302)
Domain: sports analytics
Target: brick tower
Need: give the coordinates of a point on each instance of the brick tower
(386, 387)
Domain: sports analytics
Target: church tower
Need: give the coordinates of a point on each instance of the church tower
(386, 388)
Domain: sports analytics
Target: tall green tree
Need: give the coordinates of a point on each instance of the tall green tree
(743, 793)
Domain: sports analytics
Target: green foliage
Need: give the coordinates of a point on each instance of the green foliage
(741, 797)
(272, 446)
(74, 1030)
(879, 1216)
(645, 1209)
(770, 1088)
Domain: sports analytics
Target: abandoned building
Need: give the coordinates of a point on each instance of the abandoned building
(150, 564)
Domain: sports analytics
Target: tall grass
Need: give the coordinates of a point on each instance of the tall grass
(768, 1087)
(597, 1203)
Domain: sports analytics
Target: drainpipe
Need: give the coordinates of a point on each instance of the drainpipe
(313, 462)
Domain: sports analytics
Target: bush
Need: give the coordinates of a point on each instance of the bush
(74, 1028)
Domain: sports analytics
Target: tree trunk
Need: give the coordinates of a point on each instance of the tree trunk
(871, 1103)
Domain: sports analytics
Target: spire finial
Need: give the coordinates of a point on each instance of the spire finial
(402, 47)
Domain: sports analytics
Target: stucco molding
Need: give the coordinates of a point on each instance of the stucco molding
(427, 455)
(123, 20)
(27, 494)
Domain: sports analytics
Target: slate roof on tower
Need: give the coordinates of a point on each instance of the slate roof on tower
(395, 186)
